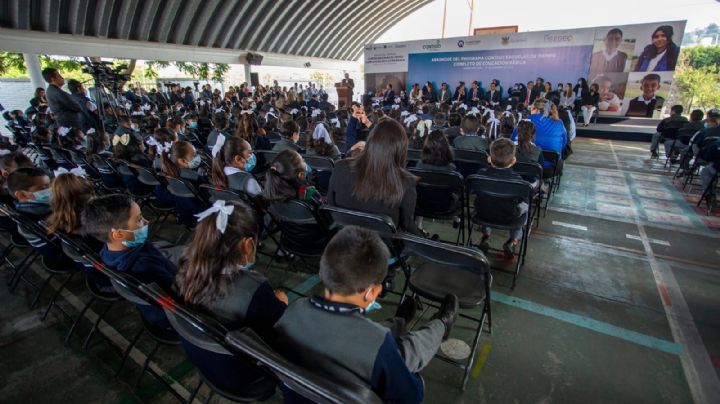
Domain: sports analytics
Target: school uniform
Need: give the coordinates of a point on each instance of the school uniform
(471, 141)
(337, 340)
(286, 144)
(248, 301)
(240, 180)
(450, 167)
(451, 133)
(212, 137)
(355, 132)
(641, 107)
(490, 207)
(51, 255)
(148, 265)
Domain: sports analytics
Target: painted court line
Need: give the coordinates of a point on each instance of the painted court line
(590, 324)
(652, 240)
(699, 372)
(570, 225)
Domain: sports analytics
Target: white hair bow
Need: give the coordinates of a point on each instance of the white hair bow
(320, 132)
(508, 108)
(163, 147)
(90, 131)
(77, 171)
(463, 106)
(410, 119)
(137, 113)
(473, 111)
(146, 107)
(219, 110)
(316, 112)
(336, 122)
(219, 143)
(404, 114)
(202, 103)
(294, 111)
(397, 100)
(223, 212)
(270, 113)
(122, 139)
(63, 131)
(375, 104)
(246, 112)
(506, 113)
(395, 106)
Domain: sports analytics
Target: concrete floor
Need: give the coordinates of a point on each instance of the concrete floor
(618, 302)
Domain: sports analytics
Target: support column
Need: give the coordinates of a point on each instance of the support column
(246, 67)
(32, 63)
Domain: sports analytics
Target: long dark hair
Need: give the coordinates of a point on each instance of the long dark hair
(436, 150)
(381, 173)
(203, 268)
(282, 178)
(668, 31)
(233, 146)
(169, 161)
(526, 135)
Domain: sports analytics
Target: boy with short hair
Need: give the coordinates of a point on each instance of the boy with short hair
(647, 102)
(330, 334)
(471, 137)
(118, 221)
(290, 136)
(501, 159)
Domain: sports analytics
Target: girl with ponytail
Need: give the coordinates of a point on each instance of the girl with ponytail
(233, 161)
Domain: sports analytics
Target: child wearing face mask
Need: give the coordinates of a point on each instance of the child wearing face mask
(382, 356)
(233, 161)
(183, 161)
(118, 221)
(216, 275)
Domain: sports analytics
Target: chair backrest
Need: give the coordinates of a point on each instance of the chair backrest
(335, 216)
(264, 159)
(497, 199)
(218, 193)
(439, 193)
(293, 211)
(181, 189)
(414, 155)
(319, 162)
(551, 156)
(146, 177)
(127, 287)
(469, 162)
(443, 253)
(28, 225)
(201, 331)
(529, 171)
(314, 387)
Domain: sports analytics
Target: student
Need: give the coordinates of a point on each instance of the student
(118, 221)
(501, 159)
(183, 161)
(290, 136)
(9, 163)
(216, 276)
(527, 151)
(377, 180)
(645, 105)
(286, 180)
(358, 126)
(129, 148)
(668, 129)
(233, 161)
(352, 270)
(437, 155)
(711, 154)
(471, 135)
(221, 123)
(97, 143)
(320, 143)
(610, 59)
(453, 131)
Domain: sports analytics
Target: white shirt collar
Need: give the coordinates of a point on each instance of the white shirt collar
(640, 98)
(609, 56)
(228, 170)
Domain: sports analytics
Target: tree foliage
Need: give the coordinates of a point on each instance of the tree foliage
(702, 56)
(697, 77)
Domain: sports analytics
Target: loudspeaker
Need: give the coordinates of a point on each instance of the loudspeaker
(254, 59)
(254, 79)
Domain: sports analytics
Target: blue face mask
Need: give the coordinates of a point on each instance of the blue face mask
(140, 235)
(195, 162)
(42, 196)
(308, 170)
(192, 125)
(84, 142)
(374, 305)
(250, 164)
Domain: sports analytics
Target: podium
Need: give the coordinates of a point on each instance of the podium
(344, 93)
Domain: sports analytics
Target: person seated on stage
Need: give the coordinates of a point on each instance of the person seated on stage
(550, 131)
(444, 95)
(493, 95)
(428, 92)
(472, 135)
(437, 155)
(668, 129)
(475, 94)
(460, 93)
(118, 221)
(216, 276)
(501, 159)
(384, 355)
(377, 180)
(232, 164)
(290, 136)
(647, 103)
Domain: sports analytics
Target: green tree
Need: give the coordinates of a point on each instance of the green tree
(702, 56)
(699, 87)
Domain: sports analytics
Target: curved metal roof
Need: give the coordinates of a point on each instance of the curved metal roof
(333, 29)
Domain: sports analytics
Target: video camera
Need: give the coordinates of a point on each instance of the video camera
(106, 74)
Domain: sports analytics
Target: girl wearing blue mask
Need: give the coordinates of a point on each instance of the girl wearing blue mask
(183, 161)
(233, 163)
(215, 275)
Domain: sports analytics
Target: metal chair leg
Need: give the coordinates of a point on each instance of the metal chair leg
(147, 363)
(471, 360)
(126, 354)
(42, 287)
(95, 326)
(77, 320)
(56, 294)
(195, 392)
(21, 268)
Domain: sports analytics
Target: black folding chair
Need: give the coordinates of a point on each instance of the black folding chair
(445, 269)
(469, 162)
(441, 195)
(314, 387)
(264, 159)
(533, 174)
(413, 157)
(698, 163)
(551, 173)
(111, 180)
(490, 195)
(322, 169)
(203, 341)
(302, 234)
(336, 218)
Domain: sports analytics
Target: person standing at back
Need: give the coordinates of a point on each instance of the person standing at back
(68, 112)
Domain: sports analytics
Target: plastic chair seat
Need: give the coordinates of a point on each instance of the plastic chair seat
(433, 281)
(162, 335)
(60, 267)
(19, 241)
(100, 294)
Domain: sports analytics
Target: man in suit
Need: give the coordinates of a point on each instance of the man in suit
(348, 81)
(67, 110)
(88, 107)
(527, 93)
(475, 94)
(493, 96)
(444, 95)
(389, 95)
(534, 92)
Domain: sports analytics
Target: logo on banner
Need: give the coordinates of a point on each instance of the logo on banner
(505, 40)
(558, 38)
(461, 43)
(435, 45)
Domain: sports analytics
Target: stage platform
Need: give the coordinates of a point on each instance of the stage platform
(620, 128)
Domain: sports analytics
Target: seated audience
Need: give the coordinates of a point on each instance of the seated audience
(233, 162)
(472, 135)
(437, 155)
(290, 136)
